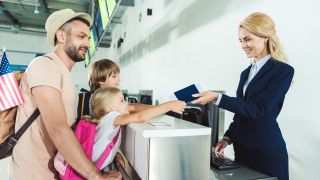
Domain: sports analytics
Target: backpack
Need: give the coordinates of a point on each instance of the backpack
(85, 133)
(8, 116)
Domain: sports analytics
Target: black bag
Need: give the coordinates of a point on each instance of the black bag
(7, 146)
(83, 103)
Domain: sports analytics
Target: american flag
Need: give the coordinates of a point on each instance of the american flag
(10, 94)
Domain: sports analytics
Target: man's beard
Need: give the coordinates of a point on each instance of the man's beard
(73, 52)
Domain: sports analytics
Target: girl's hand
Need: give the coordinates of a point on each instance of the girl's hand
(205, 97)
(177, 106)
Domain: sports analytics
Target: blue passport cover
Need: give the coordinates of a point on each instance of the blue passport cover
(185, 94)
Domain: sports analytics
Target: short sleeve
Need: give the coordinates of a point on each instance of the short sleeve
(105, 133)
(106, 125)
(44, 72)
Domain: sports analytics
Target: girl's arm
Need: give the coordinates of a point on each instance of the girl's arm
(149, 113)
(136, 107)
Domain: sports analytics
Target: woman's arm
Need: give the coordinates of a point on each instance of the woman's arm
(149, 113)
(265, 101)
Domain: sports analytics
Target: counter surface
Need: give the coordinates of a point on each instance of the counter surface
(168, 126)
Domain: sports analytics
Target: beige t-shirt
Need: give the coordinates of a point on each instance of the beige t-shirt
(33, 155)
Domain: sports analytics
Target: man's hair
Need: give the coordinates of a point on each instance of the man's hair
(100, 71)
(67, 26)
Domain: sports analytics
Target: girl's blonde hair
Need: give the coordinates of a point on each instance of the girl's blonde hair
(101, 70)
(262, 25)
(101, 99)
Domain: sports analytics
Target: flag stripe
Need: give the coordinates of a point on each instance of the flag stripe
(10, 87)
(2, 105)
(15, 86)
(9, 92)
(6, 91)
(3, 99)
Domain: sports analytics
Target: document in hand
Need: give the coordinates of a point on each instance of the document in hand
(185, 94)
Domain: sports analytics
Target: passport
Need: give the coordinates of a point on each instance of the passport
(185, 94)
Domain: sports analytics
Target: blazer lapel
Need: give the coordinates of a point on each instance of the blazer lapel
(243, 79)
(261, 72)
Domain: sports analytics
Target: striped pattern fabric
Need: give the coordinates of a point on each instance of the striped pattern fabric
(10, 94)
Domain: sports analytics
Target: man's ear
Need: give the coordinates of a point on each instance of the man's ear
(61, 36)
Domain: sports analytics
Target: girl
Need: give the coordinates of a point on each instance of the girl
(110, 111)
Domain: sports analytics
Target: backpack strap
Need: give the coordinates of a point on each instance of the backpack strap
(13, 140)
(82, 104)
(108, 150)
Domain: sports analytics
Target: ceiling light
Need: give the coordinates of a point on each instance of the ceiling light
(36, 11)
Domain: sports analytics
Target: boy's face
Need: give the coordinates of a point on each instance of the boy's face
(119, 104)
(112, 81)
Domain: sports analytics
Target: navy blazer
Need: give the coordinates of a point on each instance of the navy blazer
(255, 121)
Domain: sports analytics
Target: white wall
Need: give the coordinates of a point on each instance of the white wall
(187, 41)
(190, 41)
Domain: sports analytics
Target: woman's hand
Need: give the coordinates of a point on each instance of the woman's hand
(205, 97)
(220, 146)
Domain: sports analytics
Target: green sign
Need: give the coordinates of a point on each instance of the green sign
(103, 12)
(86, 60)
(111, 4)
(92, 44)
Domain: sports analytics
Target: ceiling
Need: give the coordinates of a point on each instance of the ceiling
(29, 16)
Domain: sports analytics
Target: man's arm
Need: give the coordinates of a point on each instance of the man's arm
(49, 102)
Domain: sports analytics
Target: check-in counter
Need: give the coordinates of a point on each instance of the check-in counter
(168, 148)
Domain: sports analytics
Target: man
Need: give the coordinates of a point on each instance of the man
(47, 84)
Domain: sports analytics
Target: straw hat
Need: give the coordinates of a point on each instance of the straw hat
(58, 18)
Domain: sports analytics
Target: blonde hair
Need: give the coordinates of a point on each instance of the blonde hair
(262, 25)
(101, 99)
(100, 71)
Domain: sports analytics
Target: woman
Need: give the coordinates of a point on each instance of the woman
(254, 132)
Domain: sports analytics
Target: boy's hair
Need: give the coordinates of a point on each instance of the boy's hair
(101, 99)
(100, 71)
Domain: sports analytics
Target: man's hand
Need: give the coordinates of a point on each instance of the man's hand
(112, 176)
(119, 159)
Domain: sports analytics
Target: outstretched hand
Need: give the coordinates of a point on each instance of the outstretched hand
(205, 97)
(177, 106)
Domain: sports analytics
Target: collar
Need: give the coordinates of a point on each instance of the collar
(262, 61)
